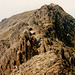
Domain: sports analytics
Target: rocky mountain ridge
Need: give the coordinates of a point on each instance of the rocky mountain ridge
(18, 42)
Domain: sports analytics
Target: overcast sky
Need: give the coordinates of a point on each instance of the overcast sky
(12, 7)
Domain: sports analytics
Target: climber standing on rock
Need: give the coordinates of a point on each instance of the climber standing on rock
(38, 42)
(15, 67)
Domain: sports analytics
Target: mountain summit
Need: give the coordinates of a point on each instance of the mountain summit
(53, 54)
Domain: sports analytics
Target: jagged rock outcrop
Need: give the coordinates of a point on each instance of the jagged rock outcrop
(49, 63)
(18, 54)
(18, 41)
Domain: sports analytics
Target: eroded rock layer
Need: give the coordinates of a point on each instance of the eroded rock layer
(55, 53)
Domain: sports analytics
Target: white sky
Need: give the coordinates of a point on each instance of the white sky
(12, 7)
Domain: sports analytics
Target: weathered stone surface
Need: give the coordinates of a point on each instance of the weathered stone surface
(44, 64)
(55, 51)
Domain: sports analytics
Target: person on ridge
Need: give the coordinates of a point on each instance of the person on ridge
(15, 67)
(38, 42)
